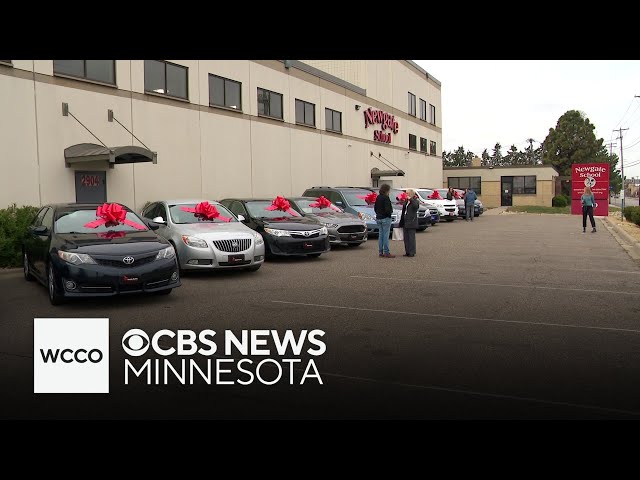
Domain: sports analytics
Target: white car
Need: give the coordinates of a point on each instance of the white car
(447, 209)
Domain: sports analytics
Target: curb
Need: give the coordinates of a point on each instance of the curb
(631, 246)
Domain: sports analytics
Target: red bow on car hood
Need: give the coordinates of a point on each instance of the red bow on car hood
(204, 210)
(110, 215)
(402, 197)
(282, 204)
(370, 198)
(435, 195)
(457, 195)
(324, 202)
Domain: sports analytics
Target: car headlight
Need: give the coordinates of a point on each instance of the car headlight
(277, 233)
(365, 216)
(259, 239)
(194, 241)
(168, 252)
(324, 231)
(76, 258)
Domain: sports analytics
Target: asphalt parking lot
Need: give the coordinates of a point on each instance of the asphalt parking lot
(510, 316)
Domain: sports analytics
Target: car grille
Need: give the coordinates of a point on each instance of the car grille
(236, 245)
(434, 211)
(307, 234)
(352, 229)
(422, 214)
(450, 209)
(121, 264)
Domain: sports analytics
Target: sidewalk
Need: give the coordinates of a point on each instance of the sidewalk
(494, 211)
(626, 241)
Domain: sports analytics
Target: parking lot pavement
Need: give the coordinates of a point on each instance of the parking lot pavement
(511, 316)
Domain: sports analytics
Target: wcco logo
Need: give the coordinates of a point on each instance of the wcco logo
(71, 355)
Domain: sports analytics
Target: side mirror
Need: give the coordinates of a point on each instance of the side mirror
(40, 230)
(241, 218)
(153, 225)
(159, 221)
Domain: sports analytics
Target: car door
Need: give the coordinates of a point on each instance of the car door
(161, 211)
(32, 239)
(43, 243)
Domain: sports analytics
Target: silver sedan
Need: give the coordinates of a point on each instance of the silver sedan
(206, 235)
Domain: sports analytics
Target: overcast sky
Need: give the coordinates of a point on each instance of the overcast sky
(508, 101)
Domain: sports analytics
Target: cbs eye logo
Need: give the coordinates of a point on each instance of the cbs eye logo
(135, 342)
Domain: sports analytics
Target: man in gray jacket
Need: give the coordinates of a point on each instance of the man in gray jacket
(469, 199)
(409, 222)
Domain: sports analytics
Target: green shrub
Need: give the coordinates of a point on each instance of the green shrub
(632, 214)
(559, 201)
(13, 228)
(568, 198)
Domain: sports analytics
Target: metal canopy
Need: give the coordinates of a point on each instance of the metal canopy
(90, 152)
(376, 173)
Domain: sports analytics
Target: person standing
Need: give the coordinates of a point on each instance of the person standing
(409, 222)
(469, 199)
(588, 202)
(384, 209)
(450, 194)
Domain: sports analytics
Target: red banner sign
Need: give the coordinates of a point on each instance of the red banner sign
(595, 176)
(386, 120)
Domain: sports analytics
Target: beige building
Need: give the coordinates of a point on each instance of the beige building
(506, 186)
(136, 130)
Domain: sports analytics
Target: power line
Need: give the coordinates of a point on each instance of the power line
(625, 113)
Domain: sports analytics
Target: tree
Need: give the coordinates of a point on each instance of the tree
(514, 157)
(458, 158)
(496, 158)
(486, 159)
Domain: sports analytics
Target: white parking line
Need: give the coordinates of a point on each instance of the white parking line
(437, 315)
(545, 267)
(617, 292)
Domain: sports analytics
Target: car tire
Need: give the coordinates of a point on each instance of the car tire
(422, 229)
(164, 292)
(313, 255)
(253, 268)
(25, 267)
(181, 271)
(352, 245)
(54, 297)
(450, 219)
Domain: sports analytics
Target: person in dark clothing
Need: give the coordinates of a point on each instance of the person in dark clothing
(409, 222)
(450, 194)
(469, 199)
(588, 203)
(384, 209)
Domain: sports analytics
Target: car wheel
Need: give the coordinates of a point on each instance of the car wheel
(164, 292)
(253, 268)
(181, 272)
(54, 297)
(314, 255)
(422, 229)
(354, 244)
(25, 266)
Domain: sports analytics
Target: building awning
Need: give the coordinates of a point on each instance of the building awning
(376, 173)
(90, 152)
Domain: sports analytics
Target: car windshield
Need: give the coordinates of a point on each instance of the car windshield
(394, 193)
(424, 193)
(353, 197)
(305, 206)
(75, 221)
(257, 209)
(180, 216)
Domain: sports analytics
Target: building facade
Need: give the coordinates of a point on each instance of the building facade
(133, 131)
(506, 186)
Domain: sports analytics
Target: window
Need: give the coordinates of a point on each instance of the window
(412, 142)
(432, 148)
(524, 185)
(423, 145)
(423, 110)
(432, 114)
(47, 220)
(333, 120)
(238, 209)
(412, 104)
(305, 113)
(224, 92)
(166, 79)
(96, 70)
(38, 220)
(269, 103)
(466, 182)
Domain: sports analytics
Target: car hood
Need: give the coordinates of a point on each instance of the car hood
(333, 217)
(213, 231)
(131, 243)
(288, 223)
(365, 209)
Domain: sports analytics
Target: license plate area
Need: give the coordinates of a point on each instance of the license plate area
(236, 258)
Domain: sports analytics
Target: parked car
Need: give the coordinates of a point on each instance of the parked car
(447, 209)
(206, 235)
(344, 228)
(478, 207)
(285, 232)
(352, 200)
(92, 250)
(424, 214)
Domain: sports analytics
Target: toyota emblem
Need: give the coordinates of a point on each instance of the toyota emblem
(306, 234)
(128, 260)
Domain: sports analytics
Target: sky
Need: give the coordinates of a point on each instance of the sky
(509, 101)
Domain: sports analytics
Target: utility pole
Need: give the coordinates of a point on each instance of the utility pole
(611, 145)
(621, 168)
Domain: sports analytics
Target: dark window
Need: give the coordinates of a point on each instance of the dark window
(333, 120)
(38, 220)
(524, 185)
(224, 92)
(423, 145)
(97, 70)
(238, 209)
(432, 114)
(466, 182)
(305, 113)
(412, 142)
(412, 104)
(269, 103)
(423, 110)
(432, 148)
(47, 220)
(147, 212)
(166, 79)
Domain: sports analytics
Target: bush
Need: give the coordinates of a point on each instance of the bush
(632, 214)
(13, 228)
(559, 201)
(568, 198)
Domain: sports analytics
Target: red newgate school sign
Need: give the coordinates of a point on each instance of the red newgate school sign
(386, 120)
(596, 176)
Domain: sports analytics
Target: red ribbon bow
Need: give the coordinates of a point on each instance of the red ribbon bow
(324, 202)
(435, 195)
(282, 204)
(402, 197)
(456, 194)
(370, 198)
(207, 211)
(111, 215)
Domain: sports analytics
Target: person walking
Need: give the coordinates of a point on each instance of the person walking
(469, 199)
(588, 202)
(409, 222)
(384, 209)
(450, 194)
